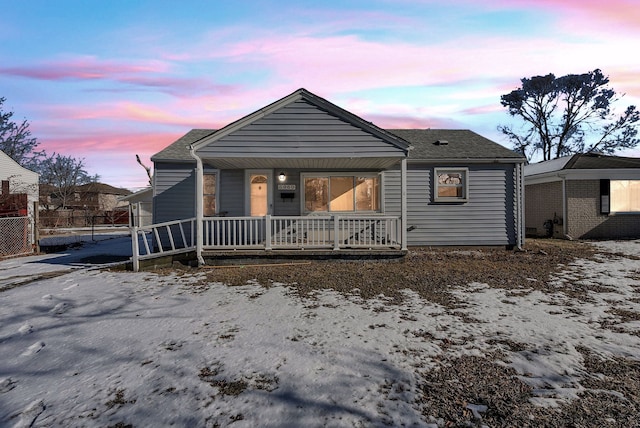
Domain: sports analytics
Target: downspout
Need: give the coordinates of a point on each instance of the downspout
(199, 211)
(403, 203)
(565, 220)
(520, 209)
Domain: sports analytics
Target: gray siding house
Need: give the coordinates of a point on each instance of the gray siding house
(305, 174)
(584, 196)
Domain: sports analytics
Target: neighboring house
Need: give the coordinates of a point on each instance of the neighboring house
(21, 180)
(589, 196)
(92, 203)
(99, 197)
(18, 229)
(303, 173)
(95, 197)
(140, 207)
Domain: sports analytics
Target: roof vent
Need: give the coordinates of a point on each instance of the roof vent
(442, 143)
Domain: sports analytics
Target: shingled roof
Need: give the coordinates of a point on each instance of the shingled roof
(582, 161)
(426, 144)
(179, 150)
(450, 144)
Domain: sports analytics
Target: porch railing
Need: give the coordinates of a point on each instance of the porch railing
(295, 232)
(162, 239)
(269, 232)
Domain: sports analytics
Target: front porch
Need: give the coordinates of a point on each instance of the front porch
(314, 235)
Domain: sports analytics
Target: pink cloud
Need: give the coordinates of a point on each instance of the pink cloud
(146, 74)
(85, 68)
(406, 122)
(586, 16)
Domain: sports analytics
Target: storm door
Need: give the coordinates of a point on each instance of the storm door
(259, 192)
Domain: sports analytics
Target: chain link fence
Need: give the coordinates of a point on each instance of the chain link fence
(15, 236)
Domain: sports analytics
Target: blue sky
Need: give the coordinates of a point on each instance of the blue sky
(105, 80)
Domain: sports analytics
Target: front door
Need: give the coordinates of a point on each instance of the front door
(259, 192)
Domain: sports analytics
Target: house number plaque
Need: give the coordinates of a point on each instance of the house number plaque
(286, 187)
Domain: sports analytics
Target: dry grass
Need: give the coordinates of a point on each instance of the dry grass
(430, 272)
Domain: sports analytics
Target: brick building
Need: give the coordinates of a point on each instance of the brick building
(584, 196)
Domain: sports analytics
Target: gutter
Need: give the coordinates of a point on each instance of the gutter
(199, 210)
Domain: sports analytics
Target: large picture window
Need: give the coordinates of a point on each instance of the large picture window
(341, 193)
(625, 196)
(451, 184)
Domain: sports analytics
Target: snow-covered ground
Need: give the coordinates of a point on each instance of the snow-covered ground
(97, 347)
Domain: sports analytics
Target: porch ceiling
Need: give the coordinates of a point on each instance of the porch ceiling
(346, 163)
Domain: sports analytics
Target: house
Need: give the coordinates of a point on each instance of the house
(305, 174)
(140, 207)
(18, 199)
(98, 197)
(83, 205)
(585, 196)
(21, 180)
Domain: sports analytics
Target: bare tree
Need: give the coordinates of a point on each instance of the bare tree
(16, 140)
(569, 114)
(63, 174)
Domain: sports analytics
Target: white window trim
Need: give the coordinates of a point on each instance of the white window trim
(465, 184)
(356, 174)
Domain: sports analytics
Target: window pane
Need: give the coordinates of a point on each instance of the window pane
(341, 194)
(209, 208)
(449, 192)
(209, 184)
(316, 194)
(209, 194)
(625, 195)
(451, 184)
(367, 194)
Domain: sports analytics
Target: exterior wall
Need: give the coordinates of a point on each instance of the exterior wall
(232, 192)
(287, 206)
(543, 202)
(488, 218)
(585, 220)
(175, 189)
(21, 180)
(299, 130)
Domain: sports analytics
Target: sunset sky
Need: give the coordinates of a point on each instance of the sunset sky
(106, 80)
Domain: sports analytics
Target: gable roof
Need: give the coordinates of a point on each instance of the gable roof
(453, 144)
(319, 102)
(102, 188)
(418, 144)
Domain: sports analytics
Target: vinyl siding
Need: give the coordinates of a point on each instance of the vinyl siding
(300, 130)
(175, 190)
(486, 219)
(21, 180)
(287, 206)
(232, 192)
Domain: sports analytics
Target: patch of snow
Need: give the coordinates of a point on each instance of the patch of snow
(147, 349)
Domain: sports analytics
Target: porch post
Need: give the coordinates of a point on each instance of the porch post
(403, 203)
(135, 251)
(336, 232)
(199, 211)
(267, 232)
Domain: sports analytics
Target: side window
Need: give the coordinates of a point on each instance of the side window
(209, 194)
(451, 184)
(625, 196)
